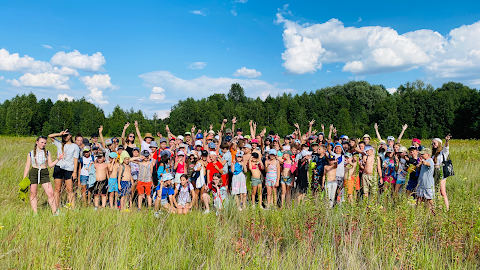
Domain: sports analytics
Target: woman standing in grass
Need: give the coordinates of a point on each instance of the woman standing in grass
(440, 154)
(66, 168)
(38, 174)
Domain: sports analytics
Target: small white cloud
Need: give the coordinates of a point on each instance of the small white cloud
(197, 65)
(47, 46)
(234, 13)
(81, 61)
(45, 80)
(328, 71)
(359, 19)
(2, 78)
(392, 90)
(66, 71)
(162, 114)
(64, 97)
(96, 84)
(198, 12)
(65, 47)
(157, 94)
(241, 1)
(249, 73)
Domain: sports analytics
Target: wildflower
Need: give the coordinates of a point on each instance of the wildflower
(1, 227)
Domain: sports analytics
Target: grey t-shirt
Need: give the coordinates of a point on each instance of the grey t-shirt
(228, 157)
(71, 151)
(425, 180)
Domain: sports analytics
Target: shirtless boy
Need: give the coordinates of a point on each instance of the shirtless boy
(367, 177)
(100, 187)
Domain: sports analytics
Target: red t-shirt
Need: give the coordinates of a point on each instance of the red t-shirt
(213, 170)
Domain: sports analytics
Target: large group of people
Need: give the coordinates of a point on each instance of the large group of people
(202, 170)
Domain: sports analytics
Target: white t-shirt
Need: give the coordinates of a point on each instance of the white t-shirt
(85, 164)
(71, 151)
(145, 146)
(340, 165)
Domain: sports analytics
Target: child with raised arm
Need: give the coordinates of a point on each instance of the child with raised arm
(367, 176)
(100, 186)
(113, 182)
(184, 190)
(255, 165)
(239, 184)
(330, 173)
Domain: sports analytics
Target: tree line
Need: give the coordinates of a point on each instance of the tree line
(353, 108)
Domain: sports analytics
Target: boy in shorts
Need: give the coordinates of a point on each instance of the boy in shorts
(85, 162)
(100, 186)
(125, 179)
(368, 162)
(165, 194)
(112, 180)
(425, 189)
(330, 172)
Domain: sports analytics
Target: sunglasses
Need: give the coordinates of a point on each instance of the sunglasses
(131, 136)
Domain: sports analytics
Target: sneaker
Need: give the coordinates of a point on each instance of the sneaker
(206, 211)
(95, 209)
(56, 213)
(156, 215)
(240, 209)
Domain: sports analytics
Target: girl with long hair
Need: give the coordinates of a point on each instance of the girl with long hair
(36, 169)
(66, 169)
(129, 141)
(440, 154)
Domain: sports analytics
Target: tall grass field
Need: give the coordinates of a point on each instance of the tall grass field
(375, 234)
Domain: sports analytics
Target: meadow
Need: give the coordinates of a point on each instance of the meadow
(374, 234)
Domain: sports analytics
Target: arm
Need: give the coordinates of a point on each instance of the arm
(50, 163)
(310, 124)
(330, 132)
(124, 143)
(174, 197)
(223, 125)
(252, 132)
(53, 135)
(404, 127)
(138, 132)
(75, 168)
(27, 166)
(323, 177)
(379, 169)
(278, 174)
(100, 133)
(447, 139)
(376, 132)
(234, 121)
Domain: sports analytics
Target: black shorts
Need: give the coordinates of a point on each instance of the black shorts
(59, 173)
(33, 175)
(100, 187)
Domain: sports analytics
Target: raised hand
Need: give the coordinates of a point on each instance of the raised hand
(234, 120)
(255, 125)
(297, 126)
(64, 132)
(100, 129)
(335, 130)
(314, 131)
(331, 126)
(375, 126)
(448, 137)
(404, 127)
(323, 127)
(126, 125)
(311, 122)
(211, 127)
(159, 135)
(250, 123)
(225, 120)
(193, 129)
(167, 128)
(136, 123)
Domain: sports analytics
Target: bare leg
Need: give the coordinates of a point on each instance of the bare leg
(157, 201)
(443, 192)
(58, 187)
(269, 196)
(84, 195)
(96, 200)
(254, 192)
(70, 194)
(33, 197)
(259, 188)
(206, 201)
(51, 200)
(284, 193)
(104, 201)
(140, 199)
(149, 200)
(244, 199)
(110, 199)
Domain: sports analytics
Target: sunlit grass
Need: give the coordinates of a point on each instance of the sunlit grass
(367, 235)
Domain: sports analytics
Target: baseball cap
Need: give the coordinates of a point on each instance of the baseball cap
(108, 142)
(366, 136)
(239, 130)
(212, 153)
(228, 130)
(153, 144)
(180, 137)
(239, 154)
(314, 143)
(247, 137)
(345, 137)
(339, 145)
(288, 152)
(165, 153)
(204, 153)
(181, 153)
(188, 133)
(228, 138)
(167, 177)
(321, 133)
(86, 141)
(101, 154)
(162, 140)
(198, 143)
(297, 141)
(382, 142)
(217, 137)
(120, 147)
(390, 138)
(348, 155)
(402, 149)
(305, 153)
(368, 147)
(182, 145)
(438, 140)
(145, 153)
(389, 149)
(211, 145)
(412, 148)
(172, 138)
(199, 136)
(136, 149)
(211, 132)
(95, 148)
(331, 157)
(86, 149)
(113, 155)
(249, 146)
(426, 150)
(254, 141)
(272, 152)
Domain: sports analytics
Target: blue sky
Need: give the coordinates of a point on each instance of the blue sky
(147, 55)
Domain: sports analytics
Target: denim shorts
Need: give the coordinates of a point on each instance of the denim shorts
(83, 180)
(426, 193)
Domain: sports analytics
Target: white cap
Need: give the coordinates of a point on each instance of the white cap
(305, 153)
(180, 137)
(212, 153)
(198, 143)
(438, 140)
(217, 137)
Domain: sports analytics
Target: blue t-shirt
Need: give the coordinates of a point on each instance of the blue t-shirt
(238, 169)
(320, 163)
(425, 180)
(166, 191)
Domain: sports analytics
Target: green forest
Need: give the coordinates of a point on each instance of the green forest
(353, 108)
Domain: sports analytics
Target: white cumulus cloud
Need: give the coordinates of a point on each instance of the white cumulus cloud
(377, 49)
(2, 78)
(66, 71)
(81, 61)
(96, 84)
(47, 46)
(158, 94)
(162, 114)
(64, 97)
(392, 90)
(13, 62)
(197, 65)
(246, 72)
(44, 80)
